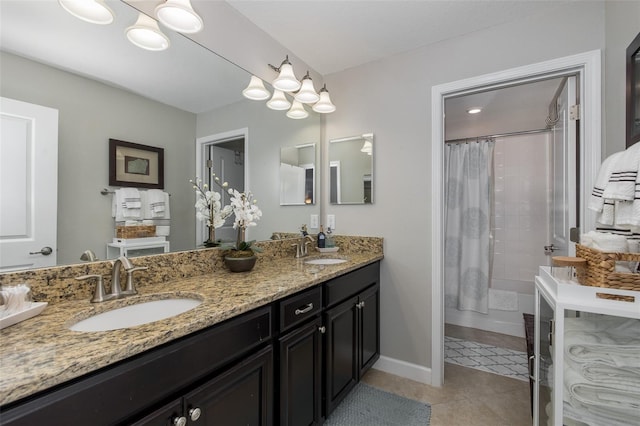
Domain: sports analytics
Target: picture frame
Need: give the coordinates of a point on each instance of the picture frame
(135, 165)
(633, 92)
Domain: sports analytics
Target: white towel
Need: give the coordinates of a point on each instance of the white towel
(606, 242)
(596, 200)
(131, 198)
(158, 199)
(624, 173)
(119, 209)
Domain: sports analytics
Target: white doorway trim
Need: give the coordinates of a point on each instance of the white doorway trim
(587, 65)
(202, 144)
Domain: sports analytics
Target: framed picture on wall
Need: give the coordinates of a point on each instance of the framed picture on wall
(136, 165)
(633, 91)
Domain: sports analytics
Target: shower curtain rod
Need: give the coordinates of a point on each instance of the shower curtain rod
(500, 135)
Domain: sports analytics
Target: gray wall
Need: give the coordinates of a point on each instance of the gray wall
(268, 131)
(90, 114)
(398, 111)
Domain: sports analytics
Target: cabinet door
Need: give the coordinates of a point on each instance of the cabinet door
(243, 395)
(369, 306)
(300, 376)
(341, 351)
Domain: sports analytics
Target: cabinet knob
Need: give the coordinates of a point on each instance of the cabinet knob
(322, 329)
(195, 413)
(179, 421)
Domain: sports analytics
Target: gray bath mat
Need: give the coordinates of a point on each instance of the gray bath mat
(368, 406)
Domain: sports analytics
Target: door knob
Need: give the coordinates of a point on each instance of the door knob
(550, 249)
(46, 251)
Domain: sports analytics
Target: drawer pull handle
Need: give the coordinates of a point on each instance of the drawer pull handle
(322, 329)
(194, 414)
(531, 367)
(179, 421)
(304, 310)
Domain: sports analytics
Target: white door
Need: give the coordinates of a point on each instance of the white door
(563, 173)
(28, 185)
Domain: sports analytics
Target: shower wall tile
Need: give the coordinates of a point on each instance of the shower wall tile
(520, 224)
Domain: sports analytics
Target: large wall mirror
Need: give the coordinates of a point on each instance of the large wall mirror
(105, 88)
(298, 175)
(351, 170)
(633, 92)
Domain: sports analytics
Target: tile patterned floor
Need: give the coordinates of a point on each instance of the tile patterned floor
(492, 359)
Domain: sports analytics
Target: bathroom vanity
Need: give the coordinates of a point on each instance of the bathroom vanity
(286, 354)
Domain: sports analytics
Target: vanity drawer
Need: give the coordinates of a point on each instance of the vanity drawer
(299, 307)
(340, 288)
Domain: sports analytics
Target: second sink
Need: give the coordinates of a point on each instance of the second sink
(138, 314)
(325, 261)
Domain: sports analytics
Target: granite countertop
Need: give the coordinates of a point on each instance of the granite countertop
(42, 352)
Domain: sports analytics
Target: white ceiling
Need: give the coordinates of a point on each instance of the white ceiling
(329, 35)
(332, 35)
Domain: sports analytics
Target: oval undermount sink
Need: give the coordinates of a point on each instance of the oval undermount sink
(325, 261)
(138, 314)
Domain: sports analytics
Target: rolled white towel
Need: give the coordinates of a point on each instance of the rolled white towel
(608, 242)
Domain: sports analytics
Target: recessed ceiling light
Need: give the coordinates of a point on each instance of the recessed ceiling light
(474, 110)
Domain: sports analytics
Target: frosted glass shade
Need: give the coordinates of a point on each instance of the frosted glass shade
(367, 147)
(93, 11)
(179, 15)
(286, 80)
(278, 101)
(307, 93)
(324, 105)
(256, 90)
(297, 111)
(146, 34)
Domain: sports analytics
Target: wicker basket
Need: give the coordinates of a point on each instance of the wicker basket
(600, 269)
(138, 231)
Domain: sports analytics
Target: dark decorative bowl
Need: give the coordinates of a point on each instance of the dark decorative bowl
(240, 264)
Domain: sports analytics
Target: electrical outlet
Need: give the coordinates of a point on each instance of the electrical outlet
(331, 222)
(313, 221)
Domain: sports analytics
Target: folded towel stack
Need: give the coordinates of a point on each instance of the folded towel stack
(152, 209)
(616, 193)
(602, 370)
(614, 241)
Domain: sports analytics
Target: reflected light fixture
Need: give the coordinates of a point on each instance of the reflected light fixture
(286, 80)
(256, 90)
(367, 147)
(324, 105)
(297, 111)
(146, 34)
(93, 11)
(474, 110)
(307, 93)
(179, 15)
(278, 101)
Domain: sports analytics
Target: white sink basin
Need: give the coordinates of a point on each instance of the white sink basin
(133, 315)
(325, 261)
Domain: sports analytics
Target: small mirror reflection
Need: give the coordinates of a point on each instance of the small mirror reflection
(297, 175)
(351, 170)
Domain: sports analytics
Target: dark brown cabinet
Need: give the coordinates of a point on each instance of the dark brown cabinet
(352, 341)
(240, 396)
(300, 367)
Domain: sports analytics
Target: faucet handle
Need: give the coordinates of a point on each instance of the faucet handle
(129, 287)
(99, 294)
(298, 250)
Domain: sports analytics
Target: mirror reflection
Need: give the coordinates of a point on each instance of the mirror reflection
(297, 175)
(351, 170)
(162, 99)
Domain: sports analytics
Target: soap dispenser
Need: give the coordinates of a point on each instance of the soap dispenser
(321, 238)
(329, 243)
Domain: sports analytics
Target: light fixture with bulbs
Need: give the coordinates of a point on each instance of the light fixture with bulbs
(179, 16)
(285, 83)
(146, 34)
(93, 11)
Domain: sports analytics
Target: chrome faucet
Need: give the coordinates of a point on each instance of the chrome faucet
(100, 295)
(301, 246)
(116, 288)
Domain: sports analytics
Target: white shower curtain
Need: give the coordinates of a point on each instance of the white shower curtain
(468, 245)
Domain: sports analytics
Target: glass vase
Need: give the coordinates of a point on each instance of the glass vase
(241, 236)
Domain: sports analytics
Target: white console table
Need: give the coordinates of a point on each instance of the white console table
(136, 247)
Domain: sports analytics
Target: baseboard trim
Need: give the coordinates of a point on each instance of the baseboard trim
(404, 369)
